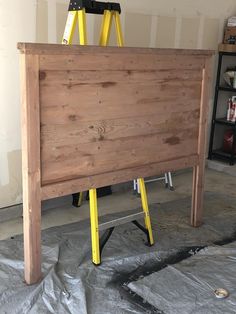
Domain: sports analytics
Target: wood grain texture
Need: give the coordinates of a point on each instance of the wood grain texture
(95, 116)
(49, 49)
(199, 169)
(227, 48)
(117, 119)
(71, 186)
(31, 167)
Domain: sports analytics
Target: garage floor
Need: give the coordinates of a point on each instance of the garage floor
(72, 284)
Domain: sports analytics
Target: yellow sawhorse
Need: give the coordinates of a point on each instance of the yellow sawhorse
(110, 11)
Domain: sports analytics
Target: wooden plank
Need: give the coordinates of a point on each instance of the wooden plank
(227, 48)
(97, 132)
(55, 49)
(105, 156)
(199, 170)
(74, 133)
(31, 167)
(120, 62)
(70, 78)
(72, 186)
(87, 103)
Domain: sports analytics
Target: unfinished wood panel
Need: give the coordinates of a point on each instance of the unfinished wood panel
(140, 100)
(104, 98)
(108, 115)
(77, 133)
(31, 167)
(65, 166)
(71, 186)
(120, 62)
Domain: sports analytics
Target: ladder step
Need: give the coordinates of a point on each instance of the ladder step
(120, 221)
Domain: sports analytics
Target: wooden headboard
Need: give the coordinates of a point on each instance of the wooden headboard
(95, 116)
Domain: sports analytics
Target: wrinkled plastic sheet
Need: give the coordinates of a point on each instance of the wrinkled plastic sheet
(72, 284)
(188, 287)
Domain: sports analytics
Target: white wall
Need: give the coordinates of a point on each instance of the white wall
(17, 23)
(149, 23)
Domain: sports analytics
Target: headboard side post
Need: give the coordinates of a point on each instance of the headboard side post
(199, 169)
(30, 120)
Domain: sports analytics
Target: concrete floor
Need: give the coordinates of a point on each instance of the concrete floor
(61, 212)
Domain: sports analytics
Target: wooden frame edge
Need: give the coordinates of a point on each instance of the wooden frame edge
(30, 122)
(199, 170)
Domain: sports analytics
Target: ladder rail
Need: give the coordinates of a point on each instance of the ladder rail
(110, 11)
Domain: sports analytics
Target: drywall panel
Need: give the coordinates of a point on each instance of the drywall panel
(166, 29)
(61, 17)
(211, 33)
(189, 33)
(137, 30)
(210, 8)
(17, 22)
(11, 193)
(42, 21)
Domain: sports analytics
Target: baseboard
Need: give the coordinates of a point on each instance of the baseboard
(16, 211)
(11, 212)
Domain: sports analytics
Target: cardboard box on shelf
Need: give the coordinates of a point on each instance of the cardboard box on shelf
(230, 35)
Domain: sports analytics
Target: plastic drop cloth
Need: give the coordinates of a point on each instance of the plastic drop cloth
(72, 284)
(188, 287)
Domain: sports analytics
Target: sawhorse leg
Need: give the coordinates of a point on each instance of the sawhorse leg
(95, 239)
(94, 227)
(82, 27)
(146, 210)
(106, 28)
(77, 199)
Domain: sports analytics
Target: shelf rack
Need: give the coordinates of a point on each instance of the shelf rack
(224, 51)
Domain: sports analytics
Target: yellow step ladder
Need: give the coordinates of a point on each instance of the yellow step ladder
(77, 13)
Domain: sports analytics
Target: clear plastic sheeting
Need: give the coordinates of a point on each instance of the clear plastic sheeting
(188, 287)
(72, 284)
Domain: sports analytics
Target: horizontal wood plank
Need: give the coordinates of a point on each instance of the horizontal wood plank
(120, 154)
(56, 134)
(120, 62)
(119, 100)
(55, 49)
(72, 77)
(81, 184)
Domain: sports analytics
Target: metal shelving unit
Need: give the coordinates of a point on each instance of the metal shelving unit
(224, 51)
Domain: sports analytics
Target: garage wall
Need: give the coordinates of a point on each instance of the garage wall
(17, 23)
(150, 23)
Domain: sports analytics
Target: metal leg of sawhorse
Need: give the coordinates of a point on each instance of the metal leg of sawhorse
(168, 182)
